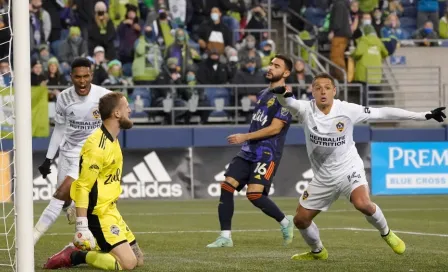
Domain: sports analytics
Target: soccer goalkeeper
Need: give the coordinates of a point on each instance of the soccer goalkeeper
(96, 192)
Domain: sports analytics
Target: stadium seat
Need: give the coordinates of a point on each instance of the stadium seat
(408, 22)
(410, 11)
(408, 3)
(55, 46)
(218, 98)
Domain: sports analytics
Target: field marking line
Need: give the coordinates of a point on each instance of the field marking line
(270, 230)
(256, 212)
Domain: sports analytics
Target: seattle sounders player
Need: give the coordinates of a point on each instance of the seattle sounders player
(257, 162)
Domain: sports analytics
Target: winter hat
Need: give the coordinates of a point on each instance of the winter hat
(53, 60)
(74, 30)
(113, 62)
(172, 61)
(100, 6)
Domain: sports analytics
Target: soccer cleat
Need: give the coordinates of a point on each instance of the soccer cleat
(397, 245)
(308, 256)
(288, 232)
(61, 259)
(71, 215)
(221, 242)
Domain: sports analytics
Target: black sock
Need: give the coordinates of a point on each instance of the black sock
(266, 205)
(226, 206)
(78, 257)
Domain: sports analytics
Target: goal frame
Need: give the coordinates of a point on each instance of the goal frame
(23, 161)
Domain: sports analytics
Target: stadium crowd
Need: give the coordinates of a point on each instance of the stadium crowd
(133, 43)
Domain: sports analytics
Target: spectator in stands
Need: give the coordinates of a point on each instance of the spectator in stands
(212, 71)
(257, 20)
(248, 74)
(180, 50)
(428, 10)
(115, 76)
(340, 33)
(147, 58)
(102, 32)
(43, 55)
(370, 52)
(366, 19)
(443, 26)
(377, 21)
(367, 6)
(249, 50)
(392, 28)
(214, 35)
(354, 15)
(72, 47)
(55, 78)
(163, 29)
(100, 66)
(85, 12)
(37, 76)
(301, 76)
(267, 52)
(5, 73)
(54, 8)
(40, 25)
(393, 7)
(128, 32)
(5, 34)
(426, 33)
(118, 10)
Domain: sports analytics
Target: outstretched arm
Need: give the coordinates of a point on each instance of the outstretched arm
(286, 99)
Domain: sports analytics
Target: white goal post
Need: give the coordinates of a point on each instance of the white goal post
(23, 200)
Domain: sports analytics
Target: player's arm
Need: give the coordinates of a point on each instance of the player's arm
(286, 99)
(273, 129)
(56, 137)
(361, 114)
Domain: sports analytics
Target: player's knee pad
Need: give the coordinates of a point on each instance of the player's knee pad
(254, 197)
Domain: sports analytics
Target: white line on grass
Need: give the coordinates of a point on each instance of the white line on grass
(270, 230)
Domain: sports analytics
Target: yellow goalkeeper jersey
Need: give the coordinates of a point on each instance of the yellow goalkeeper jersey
(100, 169)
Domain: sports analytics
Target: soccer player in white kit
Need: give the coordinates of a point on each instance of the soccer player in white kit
(77, 116)
(338, 168)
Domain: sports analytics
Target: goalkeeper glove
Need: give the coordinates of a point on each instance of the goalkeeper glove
(83, 239)
(436, 114)
(44, 169)
(281, 90)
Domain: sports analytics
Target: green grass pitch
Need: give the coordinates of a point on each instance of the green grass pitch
(173, 236)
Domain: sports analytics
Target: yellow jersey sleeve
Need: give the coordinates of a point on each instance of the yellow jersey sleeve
(90, 165)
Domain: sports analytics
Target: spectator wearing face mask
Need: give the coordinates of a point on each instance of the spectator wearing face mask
(102, 32)
(267, 51)
(40, 25)
(366, 19)
(249, 50)
(426, 33)
(163, 29)
(72, 47)
(194, 97)
(55, 78)
(428, 10)
(392, 28)
(184, 54)
(147, 58)
(99, 66)
(128, 32)
(214, 35)
(115, 76)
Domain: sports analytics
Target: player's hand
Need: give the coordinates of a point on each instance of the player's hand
(281, 90)
(237, 138)
(83, 239)
(44, 169)
(436, 114)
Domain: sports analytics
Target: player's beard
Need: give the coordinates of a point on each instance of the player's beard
(275, 78)
(125, 123)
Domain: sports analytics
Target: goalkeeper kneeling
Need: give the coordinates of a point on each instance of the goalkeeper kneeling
(102, 239)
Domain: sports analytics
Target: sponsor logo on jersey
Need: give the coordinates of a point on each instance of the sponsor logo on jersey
(96, 114)
(149, 179)
(327, 141)
(260, 117)
(340, 126)
(270, 102)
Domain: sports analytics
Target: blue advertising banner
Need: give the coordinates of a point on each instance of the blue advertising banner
(409, 168)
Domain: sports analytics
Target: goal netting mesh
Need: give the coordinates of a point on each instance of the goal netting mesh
(7, 175)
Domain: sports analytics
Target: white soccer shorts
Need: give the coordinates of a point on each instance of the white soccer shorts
(67, 167)
(320, 195)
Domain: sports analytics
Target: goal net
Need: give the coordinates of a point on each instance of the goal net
(7, 213)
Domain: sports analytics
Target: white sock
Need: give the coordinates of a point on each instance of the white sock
(226, 234)
(311, 237)
(48, 217)
(285, 222)
(378, 221)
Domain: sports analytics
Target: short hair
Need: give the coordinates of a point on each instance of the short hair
(286, 60)
(108, 103)
(81, 62)
(324, 75)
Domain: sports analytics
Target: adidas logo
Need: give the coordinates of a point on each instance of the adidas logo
(43, 189)
(301, 185)
(149, 178)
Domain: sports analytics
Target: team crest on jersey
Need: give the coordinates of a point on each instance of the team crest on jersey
(305, 195)
(340, 126)
(115, 230)
(284, 111)
(271, 102)
(96, 114)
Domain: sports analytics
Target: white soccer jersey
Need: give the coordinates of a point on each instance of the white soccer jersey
(329, 138)
(80, 116)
